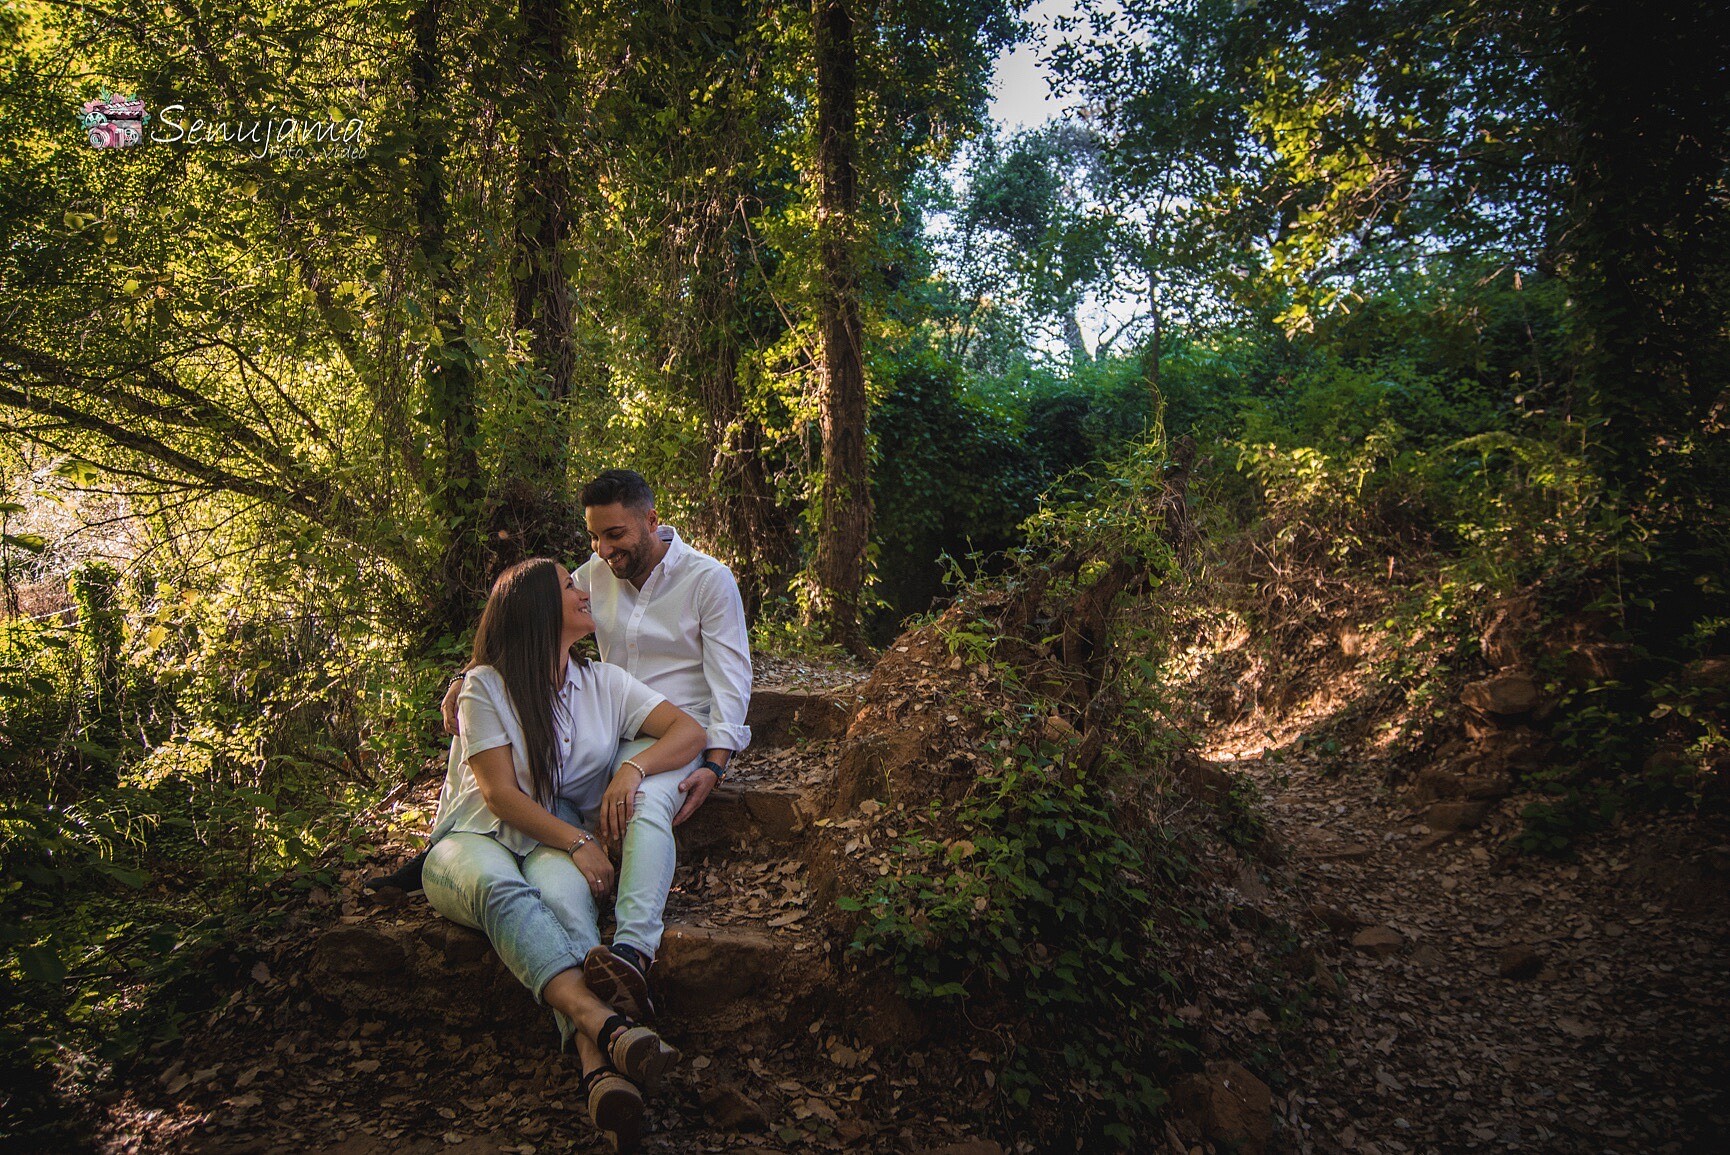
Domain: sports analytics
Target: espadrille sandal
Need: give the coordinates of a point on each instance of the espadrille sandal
(616, 1106)
(641, 1054)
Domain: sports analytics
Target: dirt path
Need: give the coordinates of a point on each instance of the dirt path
(1520, 1003)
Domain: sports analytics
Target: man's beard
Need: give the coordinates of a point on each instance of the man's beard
(631, 561)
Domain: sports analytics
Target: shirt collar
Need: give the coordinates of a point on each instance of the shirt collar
(676, 548)
(573, 676)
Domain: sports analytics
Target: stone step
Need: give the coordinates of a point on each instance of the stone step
(422, 967)
(748, 816)
(780, 717)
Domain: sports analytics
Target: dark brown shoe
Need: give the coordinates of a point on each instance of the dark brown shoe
(617, 980)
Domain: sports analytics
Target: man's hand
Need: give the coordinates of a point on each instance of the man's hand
(695, 788)
(448, 707)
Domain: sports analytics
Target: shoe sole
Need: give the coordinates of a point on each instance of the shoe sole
(617, 983)
(618, 1113)
(644, 1057)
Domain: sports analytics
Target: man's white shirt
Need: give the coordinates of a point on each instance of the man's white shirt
(683, 634)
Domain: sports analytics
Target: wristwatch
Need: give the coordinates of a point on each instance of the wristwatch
(711, 764)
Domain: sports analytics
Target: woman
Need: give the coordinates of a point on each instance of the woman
(513, 853)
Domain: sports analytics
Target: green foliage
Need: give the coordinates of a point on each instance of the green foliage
(1039, 896)
(1041, 902)
(951, 476)
(248, 722)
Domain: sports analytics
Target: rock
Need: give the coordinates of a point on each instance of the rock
(1428, 956)
(870, 763)
(698, 967)
(722, 820)
(782, 717)
(1490, 788)
(1434, 784)
(1337, 919)
(1707, 674)
(1325, 982)
(1380, 941)
(458, 944)
(1345, 852)
(781, 814)
(359, 952)
(1503, 641)
(1249, 884)
(964, 1147)
(1511, 752)
(1596, 662)
(1206, 780)
(1058, 731)
(730, 1109)
(1519, 962)
(733, 815)
(1667, 761)
(1451, 817)
(1232, 1107)
(1507, 694)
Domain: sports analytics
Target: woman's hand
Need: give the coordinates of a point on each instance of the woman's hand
(619, 803)
(596, 867)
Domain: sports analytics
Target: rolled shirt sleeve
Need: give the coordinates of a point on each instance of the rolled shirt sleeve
(479, 726)
(726, 661)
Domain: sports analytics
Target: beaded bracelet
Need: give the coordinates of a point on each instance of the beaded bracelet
(582, 840)
(643, 775)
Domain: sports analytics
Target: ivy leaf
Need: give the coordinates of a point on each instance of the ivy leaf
(42, 965)
(78, 471)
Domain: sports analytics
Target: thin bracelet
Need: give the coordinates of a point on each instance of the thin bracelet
(582, 841)
(632, 763)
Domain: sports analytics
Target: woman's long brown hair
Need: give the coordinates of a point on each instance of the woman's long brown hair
(519, 637)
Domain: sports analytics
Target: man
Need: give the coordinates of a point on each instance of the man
(673, 619)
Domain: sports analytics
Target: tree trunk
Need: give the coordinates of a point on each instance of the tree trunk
(543, 302)
(449, 369)
(742, 497)
(529, 509)
(742, 505)
(1072, 337)
(844, 517)
(1150, 354)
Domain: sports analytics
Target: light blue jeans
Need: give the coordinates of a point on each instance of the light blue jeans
(536, 909)
(650, 855)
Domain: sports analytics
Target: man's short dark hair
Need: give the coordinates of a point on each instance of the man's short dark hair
(619, 487)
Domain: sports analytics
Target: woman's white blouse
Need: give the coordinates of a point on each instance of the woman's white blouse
(597, 706)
